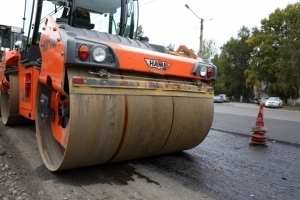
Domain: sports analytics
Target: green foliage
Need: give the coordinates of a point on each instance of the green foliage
(209, 49)
(276, 54)
(171, 47)
(139, 33)
(268, 57)
(232, 63)
(220, 88)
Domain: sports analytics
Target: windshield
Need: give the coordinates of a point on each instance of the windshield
(99, 15)
(4, 39)
(273, 99)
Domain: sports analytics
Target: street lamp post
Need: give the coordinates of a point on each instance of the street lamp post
(201, 38)
(201, 31)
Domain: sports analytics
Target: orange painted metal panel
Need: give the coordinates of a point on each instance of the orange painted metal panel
(52, 51)
(28, 78)
(9, 59)
(135, 59)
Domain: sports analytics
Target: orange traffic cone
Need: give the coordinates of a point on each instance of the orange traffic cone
(259, 130)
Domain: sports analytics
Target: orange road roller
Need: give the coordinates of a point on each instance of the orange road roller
(9, 37)
(97, 91)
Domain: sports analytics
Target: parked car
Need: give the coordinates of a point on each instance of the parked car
(263, 100)
(274, 102)
(218, 99)
(254, 100)
(226, 99)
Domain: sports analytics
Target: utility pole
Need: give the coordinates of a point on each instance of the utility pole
(201, 38)
(201, 32)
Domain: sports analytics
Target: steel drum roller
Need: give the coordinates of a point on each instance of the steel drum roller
(109, 125)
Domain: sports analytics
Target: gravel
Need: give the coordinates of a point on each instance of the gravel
(14, 183)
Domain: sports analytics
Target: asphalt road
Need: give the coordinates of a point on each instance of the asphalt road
(223, 166)
(239, 118)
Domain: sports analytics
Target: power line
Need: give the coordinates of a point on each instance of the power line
(147, 3)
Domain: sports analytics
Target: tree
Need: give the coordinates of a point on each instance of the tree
(171, 47)
(232, 63)
(219, 84)
(276, 55)
(209, 49)
(137, 34)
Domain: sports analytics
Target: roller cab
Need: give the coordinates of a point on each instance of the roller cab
(100, 94)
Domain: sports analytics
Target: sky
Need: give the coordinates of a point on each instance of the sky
(170, 22)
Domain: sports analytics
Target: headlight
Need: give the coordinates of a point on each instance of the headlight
(99, 54)
(203, 71)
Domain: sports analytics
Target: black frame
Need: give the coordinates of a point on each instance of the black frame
(31, 48)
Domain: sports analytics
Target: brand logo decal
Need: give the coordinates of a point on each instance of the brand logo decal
(157, 64)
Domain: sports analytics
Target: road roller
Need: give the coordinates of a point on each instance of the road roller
(99, 93)
(9, 35)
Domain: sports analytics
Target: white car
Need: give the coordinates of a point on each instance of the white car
(226, 99)
(263, 100)
(274, 102)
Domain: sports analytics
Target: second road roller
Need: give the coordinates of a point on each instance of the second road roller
(99, 93)
(9, 36)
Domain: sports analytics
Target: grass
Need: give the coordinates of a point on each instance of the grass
(290, 107)
(285, 106)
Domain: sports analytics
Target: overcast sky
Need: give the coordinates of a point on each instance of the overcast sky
(169, 21)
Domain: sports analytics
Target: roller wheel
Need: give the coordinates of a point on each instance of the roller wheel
(10, 102)
(51, 151)
(89, 135)
(95, 126)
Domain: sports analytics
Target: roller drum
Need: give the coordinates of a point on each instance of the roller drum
(10, 103)
(113, 127)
